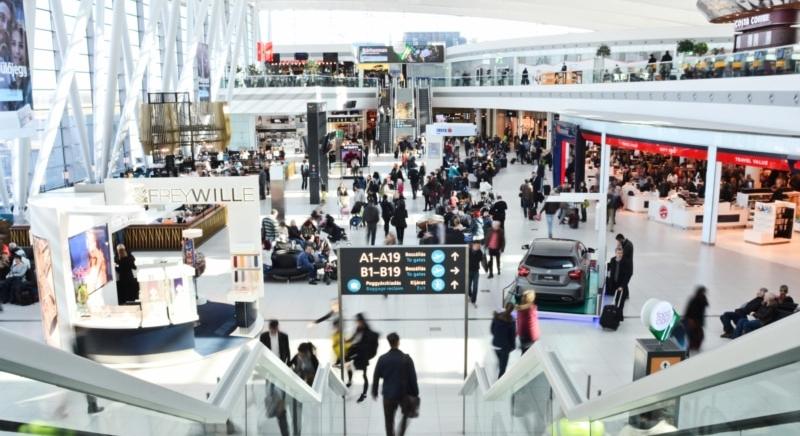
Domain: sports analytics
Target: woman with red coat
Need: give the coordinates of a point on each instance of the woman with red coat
(527, 321)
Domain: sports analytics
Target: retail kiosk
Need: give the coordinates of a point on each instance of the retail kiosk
(772, 223)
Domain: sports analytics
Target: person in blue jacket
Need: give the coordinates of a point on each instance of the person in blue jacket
(305, 262)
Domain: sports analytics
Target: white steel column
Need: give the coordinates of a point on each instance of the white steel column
(74, 96)
(170, 55)
(20, 165)
(186, 81)
(600, 218)
(240, 36)
(133, 88)
(711, 203)
(221, 56)
(4, 195)
(69, 65)
(551, 124)
(114, 55)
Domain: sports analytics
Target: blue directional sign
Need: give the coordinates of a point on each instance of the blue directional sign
(438, 269)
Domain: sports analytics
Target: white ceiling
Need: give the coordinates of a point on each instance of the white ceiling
(585, 14)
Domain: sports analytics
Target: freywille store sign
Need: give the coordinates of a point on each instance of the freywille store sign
(147, 196)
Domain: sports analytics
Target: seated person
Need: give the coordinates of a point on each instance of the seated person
(19, 269)
(731, 319)
(306, 262)
(786, 305)
(765, 314)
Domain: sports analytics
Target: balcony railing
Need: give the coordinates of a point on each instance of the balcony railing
(764, 62)
(303, 81)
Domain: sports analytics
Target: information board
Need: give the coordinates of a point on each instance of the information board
(434, 269)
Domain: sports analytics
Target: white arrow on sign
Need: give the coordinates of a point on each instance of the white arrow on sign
(454, 284)
(454, 256)
(455, 270)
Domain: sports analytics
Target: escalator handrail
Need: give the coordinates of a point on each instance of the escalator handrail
(36, 361)
(767, 348)
(740, 425)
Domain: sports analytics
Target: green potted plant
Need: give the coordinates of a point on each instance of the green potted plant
(312, 67)
(82, 298)
(686, 46)
(603, 51)
(700, 48)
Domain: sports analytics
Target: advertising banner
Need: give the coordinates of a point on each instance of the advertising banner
(451, 129)
(47, 295)
(16, 92)
(423, 270)
(264, 51)
(203, 72)
(404, 54)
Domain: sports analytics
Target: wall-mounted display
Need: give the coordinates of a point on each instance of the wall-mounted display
(404, 54)
(89, 256)
(43, 258)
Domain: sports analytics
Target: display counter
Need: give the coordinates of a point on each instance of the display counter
(748, 198)
(638, 202)
(772, 223)
(168, 235)
(676, 212)
(160, 325)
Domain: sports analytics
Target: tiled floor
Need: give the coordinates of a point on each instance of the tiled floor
(669, 263)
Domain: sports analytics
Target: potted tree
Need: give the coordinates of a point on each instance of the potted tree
(685, 47)
(603, 52)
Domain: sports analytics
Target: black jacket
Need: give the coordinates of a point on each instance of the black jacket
(476, 260)
(750, 307)
(283, 345)
(623, 277)
(504, 333)
(550, 208)
(399, 376)
(627, 253)
(372, 214)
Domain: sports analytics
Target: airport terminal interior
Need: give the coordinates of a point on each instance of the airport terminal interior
(307, 217)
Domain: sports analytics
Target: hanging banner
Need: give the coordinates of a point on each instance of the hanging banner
(16, 92)
(43, 259)
(404, 54)
(202, 72)
(264, 51)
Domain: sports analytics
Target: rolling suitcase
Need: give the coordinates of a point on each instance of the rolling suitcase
(609, 317)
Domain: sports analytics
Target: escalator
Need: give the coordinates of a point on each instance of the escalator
(49, 391)
(748, 387)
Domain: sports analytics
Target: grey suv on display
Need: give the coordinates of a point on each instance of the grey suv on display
(556, 269)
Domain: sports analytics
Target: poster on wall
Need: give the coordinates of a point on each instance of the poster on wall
(203, 72)
(404, 54)
(43, 258)
(90, 261)
(16, 92)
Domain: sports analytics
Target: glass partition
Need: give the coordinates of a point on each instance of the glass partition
(31, 406)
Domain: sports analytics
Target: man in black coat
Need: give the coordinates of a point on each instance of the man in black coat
(731, 318)
(371, 217)
(273, 338)
(619, 275)
(399, 381)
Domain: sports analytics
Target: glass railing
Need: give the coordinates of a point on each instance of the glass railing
(748, 387)
(49, 391)
(303, 81)
(763, 62)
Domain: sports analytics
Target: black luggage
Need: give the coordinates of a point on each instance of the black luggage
(26, 294)
(610, 316)
(572, 219)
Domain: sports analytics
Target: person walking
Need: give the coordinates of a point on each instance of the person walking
(371, 217)
(614, 202)
(387, 211)
(527, 321)
(619, 275)
(344, 200)
(363, 347)
(525, 198)
(504, 335)
(476, 260)
(304, 171)
(305, 362)
(550, 209)
(400, 388)
(498, 211)
(496, 245)
(262, 183)
(276, 341)
(694, 318)
(399, 220)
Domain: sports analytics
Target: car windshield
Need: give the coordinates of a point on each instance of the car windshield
(548, 262)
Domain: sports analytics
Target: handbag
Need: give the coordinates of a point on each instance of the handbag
(409, 404)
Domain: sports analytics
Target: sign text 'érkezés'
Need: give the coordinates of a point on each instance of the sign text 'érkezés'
(403, 270)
